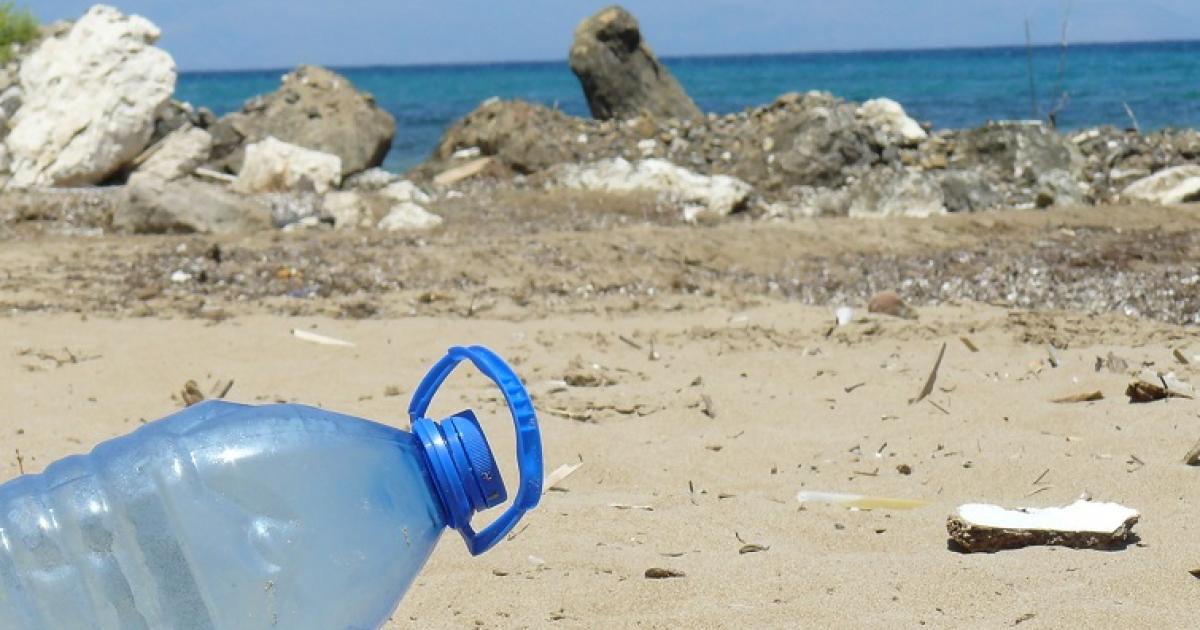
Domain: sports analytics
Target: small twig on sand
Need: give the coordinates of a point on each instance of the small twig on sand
(1041, 477)
(631, 343)
(929, 382)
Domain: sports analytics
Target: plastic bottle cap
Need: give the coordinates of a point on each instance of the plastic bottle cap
(460, 461)
(481, 477)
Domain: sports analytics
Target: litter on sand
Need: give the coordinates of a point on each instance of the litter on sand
(1084, 397)
(859, 501)
(928, 388)
(1083, 525)
(1151, 386)
(658, 573)
(313, 337)
(844, 315)
(558, 475)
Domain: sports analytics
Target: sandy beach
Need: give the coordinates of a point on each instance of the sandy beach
(698, 409)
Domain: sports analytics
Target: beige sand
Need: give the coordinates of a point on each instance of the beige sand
(791, 408)
(783, 422)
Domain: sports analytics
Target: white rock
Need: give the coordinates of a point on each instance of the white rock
(345, 207)
(887, 115)
(276, 166)
(408, 216)
(887, 193)
(370, 179)
(179, 154)
(717, 195)
(403, 191)
(89, 99)
(467, 153)
(1178, 184)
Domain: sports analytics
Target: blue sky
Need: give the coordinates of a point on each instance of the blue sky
(228, 34)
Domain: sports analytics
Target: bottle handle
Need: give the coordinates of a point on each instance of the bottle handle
(529, 441)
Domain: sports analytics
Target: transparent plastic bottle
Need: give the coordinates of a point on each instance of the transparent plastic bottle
(228, 516)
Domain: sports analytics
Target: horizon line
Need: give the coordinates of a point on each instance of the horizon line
(699, 56)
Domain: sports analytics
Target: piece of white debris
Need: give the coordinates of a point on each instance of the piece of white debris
(858, 501)
(305, 335)
(180, 276)
(558, 475)
(1083, 525)
(844, 315)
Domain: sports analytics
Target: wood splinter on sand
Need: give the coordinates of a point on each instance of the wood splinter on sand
(1082, 525)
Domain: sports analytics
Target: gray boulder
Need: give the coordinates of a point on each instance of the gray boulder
(620, 75)
(887, 192)
(174, 115)
(525, 137)
(316, 109)
(156, 206)
(968, 191)
(1017, 151)
(820, 139)
(1059, 188)
(177, 155)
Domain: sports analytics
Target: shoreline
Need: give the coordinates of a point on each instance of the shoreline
(468, 64)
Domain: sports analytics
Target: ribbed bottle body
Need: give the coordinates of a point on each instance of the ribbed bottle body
(221, 516)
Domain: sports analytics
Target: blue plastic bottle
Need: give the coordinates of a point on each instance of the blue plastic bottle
(227, 516)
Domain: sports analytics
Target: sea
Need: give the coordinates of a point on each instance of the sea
(1156, 83)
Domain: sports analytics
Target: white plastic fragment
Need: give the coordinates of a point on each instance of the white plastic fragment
(1082, 524)
(1080, 516)
(313, 337)
(558, 475)
(858, 501)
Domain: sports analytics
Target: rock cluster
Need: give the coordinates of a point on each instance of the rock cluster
(91, 103)
(711, 196)
(803, 155)
(313, 108)
(816, 155)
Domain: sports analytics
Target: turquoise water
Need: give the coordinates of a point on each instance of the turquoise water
(949, 88)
